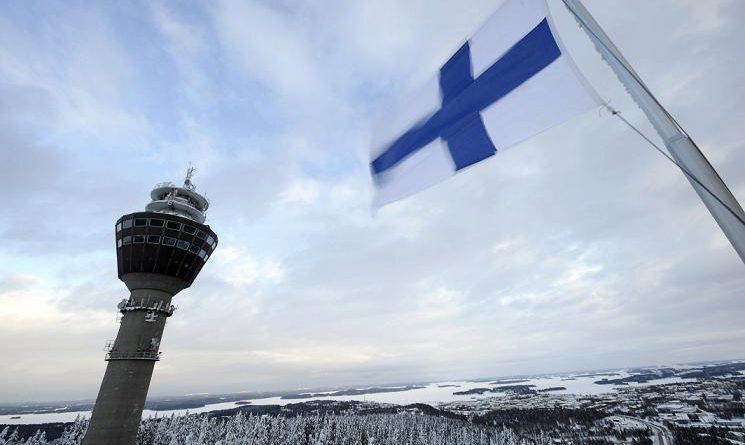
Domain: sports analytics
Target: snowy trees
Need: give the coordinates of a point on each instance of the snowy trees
(240, 429)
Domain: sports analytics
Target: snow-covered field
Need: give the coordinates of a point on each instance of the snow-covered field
(432, 393)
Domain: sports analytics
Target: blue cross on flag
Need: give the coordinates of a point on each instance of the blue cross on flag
(510, 81)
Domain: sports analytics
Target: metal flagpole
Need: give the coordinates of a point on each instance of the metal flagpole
(710, 188)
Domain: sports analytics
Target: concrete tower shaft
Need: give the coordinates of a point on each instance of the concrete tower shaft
(159, 253)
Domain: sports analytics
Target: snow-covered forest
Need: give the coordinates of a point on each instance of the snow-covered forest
(240, 429)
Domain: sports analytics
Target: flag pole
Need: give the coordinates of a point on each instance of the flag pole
(710, 188)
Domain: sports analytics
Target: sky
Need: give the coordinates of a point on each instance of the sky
(581, 248)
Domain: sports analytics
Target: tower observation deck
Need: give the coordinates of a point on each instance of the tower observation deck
(159, 253)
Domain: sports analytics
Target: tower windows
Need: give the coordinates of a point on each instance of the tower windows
(126, 224)
(153, 239)
(211, 241)
(118, 243)
(173, 225)
(138, 239)
(168, 241)
(155, 222)
(189, 229)
(194, 248)
(127, 240)
(119, 227)
(181, 244)
(140, 222)
(202, 253)
(200, 234)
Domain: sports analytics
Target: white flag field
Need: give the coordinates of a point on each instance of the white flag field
(510, 81)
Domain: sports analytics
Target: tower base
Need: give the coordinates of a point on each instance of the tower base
(121, 399)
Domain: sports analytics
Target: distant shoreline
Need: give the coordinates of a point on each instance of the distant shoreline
(434, 392)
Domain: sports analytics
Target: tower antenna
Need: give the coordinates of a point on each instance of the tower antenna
(187, 181)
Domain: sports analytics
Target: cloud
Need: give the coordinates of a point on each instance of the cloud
(80, 66)
(68, 335)
(237, 267)
(270, 45)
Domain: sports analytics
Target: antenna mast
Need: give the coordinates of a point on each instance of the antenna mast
(187, 181)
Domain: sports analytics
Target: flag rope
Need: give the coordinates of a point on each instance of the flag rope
(629, 71)
(617, 113)
(636, 77)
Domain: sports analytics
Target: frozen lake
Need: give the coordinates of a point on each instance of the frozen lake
(432, 393)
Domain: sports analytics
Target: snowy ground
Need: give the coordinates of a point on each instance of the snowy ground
(431, 394)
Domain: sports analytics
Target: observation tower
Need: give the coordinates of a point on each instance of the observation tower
(159, 252)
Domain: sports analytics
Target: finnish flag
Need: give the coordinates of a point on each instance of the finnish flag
(510, 81)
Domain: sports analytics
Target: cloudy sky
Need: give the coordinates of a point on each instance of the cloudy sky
(581, 248)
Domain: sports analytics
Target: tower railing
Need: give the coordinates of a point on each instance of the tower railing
(141, 355)
(156, 307)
